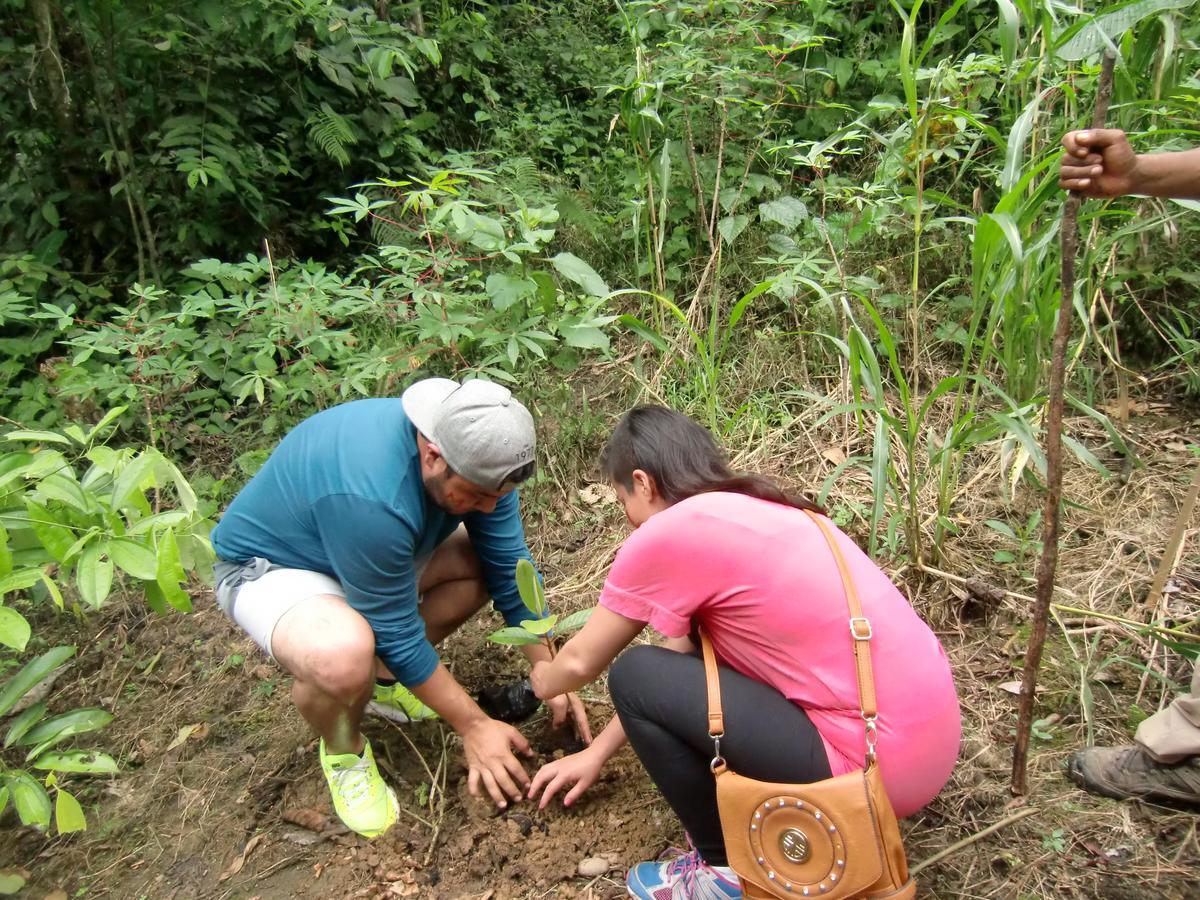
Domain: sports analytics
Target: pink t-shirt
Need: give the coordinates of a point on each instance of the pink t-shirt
(760, 579)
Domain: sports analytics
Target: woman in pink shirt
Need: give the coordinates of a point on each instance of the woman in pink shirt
(740, 558)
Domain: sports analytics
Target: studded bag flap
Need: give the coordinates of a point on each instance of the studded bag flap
(833, 839)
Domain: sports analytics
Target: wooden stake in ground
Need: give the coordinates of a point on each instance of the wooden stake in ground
(1054, 414)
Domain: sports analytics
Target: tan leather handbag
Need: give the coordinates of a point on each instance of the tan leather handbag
(831, 839)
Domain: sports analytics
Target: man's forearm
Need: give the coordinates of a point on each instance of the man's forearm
(1169, 175)
(445, 696)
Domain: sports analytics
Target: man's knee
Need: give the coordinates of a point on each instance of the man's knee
(329, 646)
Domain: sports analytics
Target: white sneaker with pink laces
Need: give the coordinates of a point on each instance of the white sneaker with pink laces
(687, 877)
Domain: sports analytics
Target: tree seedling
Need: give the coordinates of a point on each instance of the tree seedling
(540, 627)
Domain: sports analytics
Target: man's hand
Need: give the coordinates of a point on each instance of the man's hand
(488, 747)
(579, 769)
(1099, 162)
(569, 705)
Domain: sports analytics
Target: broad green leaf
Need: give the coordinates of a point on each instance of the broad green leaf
(787, 211)
(133, 558)
(575, 620)
(512, 635)
(1096, 33)
(33, 672)
(88, 762)
(6, 562)
(14, 630)
(19, 580)
(50, 531)
(59, 486)
(68, 814)
(94, 575)
(109, 417)
(571, 266)
(584, 337)
(40, 437)
(30, 798)
(539, 626)
(166, 519)
(58, 728)
(154, 597)
(530, 588)
(730, 227)
(170, 573)
(24, 722)
(506, 290)
(52, 590)
(134, 478)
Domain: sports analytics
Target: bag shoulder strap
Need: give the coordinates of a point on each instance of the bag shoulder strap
(860, 633)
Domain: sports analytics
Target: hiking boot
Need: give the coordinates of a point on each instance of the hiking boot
(1129, 771)
(687, 877)
(361, 797)
(397, 703)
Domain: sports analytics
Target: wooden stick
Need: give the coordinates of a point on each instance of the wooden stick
(1054, 414)
(1170, 556)
(968, 841)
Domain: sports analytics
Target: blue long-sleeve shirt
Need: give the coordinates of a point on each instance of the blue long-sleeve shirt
(342, 494)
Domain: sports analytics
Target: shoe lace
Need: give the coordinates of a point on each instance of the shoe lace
(353, 782)
(688, 869)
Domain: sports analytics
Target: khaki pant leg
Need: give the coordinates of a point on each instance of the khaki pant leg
(1173, 734)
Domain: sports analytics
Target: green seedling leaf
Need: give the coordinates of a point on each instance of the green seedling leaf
(109, 417)
(33, 672)
(539, 626)
(134, 478)
(571, 266)
(575, 620)
(505, 290)
(87, 762)
(11, 881)
(19, 580)
(52, 590)
(530, 588)
(133, 558)
(59, 728)
(30, 799)
(14, 630)
(24, 722)
(68, 814)
(514, 636)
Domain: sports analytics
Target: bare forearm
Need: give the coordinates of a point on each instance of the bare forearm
(569, 671)
(1168, 175)
(445, 696)
(536, 653)
(610, 740)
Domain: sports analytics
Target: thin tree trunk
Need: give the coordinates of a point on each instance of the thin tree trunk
(1054, 414)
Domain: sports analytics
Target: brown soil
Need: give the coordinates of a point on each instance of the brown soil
(238, 807)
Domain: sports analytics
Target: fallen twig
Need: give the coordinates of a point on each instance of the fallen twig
(978, 836)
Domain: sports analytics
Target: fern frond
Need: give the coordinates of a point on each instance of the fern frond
(332, 133)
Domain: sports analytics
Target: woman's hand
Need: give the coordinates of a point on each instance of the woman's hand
(566, 706)
(578, 771)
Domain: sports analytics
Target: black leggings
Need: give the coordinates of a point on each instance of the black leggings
(661, 698)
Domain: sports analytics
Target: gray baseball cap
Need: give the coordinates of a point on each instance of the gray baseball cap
(482, 430)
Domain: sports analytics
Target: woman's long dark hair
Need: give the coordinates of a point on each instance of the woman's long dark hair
(682, 458)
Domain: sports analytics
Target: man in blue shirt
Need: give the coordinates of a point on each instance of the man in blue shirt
(374, 530)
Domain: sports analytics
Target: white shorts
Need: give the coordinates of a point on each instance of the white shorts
(258, 594)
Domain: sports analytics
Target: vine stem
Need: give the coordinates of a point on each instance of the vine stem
(1048, 563)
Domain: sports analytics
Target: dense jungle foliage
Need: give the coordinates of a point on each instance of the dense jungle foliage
(218, 217)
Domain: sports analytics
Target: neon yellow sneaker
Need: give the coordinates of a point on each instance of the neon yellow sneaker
(361, 798)
(397, 703)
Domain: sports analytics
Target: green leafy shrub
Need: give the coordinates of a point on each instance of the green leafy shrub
(537, 629)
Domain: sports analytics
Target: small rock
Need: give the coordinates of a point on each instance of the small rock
(594, 867)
